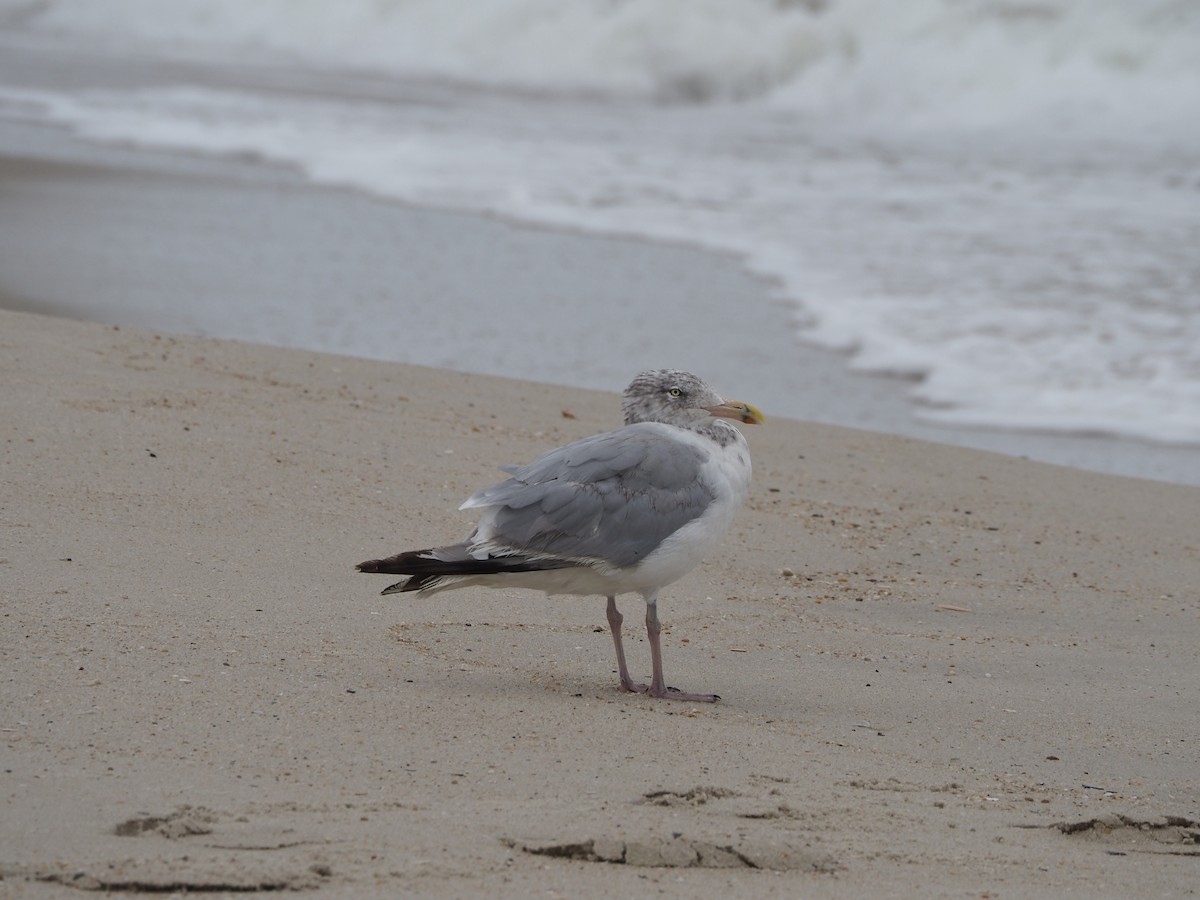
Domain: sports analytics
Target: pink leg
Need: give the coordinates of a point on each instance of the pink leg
(614, 624)
(658, 686)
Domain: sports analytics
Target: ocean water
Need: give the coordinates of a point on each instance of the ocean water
(999, 200)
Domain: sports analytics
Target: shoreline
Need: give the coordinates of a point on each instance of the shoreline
(310, 239)
(936, 650)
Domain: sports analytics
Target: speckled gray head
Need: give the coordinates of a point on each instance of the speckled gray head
(680, 398)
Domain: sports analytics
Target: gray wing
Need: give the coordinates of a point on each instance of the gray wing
(613, 497)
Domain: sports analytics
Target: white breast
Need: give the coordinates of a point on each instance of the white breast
(727, 473)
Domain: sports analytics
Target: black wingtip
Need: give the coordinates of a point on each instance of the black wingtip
(425, 567)
(408, 563)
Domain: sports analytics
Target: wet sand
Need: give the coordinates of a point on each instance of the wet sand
(232, 248)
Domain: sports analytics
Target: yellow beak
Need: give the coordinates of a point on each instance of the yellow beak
(737, 409)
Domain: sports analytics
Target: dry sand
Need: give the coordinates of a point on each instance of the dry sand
(945, 672)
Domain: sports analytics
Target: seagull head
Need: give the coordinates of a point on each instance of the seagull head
(680, 398)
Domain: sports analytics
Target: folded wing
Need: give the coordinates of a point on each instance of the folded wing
(607, 500)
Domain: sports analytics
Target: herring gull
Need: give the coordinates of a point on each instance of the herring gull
(632, 510)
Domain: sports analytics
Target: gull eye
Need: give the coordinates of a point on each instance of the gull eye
(675, 392)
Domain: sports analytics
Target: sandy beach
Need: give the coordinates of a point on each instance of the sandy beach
(944, 672)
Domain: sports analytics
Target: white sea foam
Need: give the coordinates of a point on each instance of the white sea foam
(965, 60)
(999, 198)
